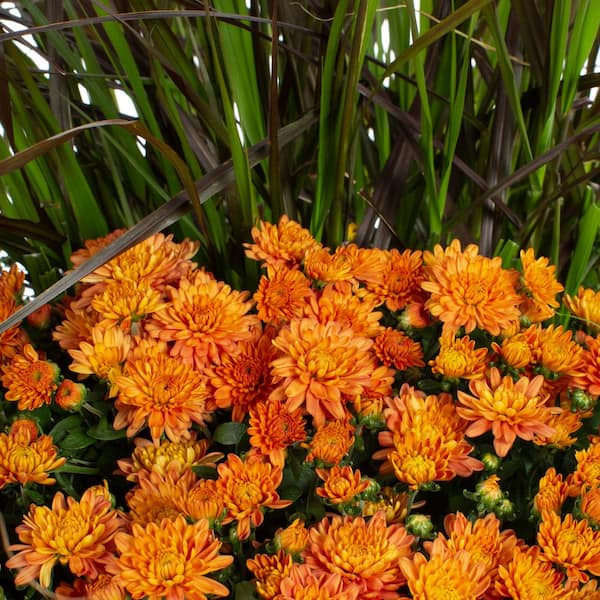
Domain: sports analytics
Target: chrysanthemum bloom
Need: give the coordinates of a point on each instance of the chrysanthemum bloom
(76, 327)
(171, 560)
(349, 309)
(284, 244)
(590, 506)
(587, 472)
(244, 377)
(293, 538)
(269, 570)
(320, 366)
(370, 403)
(564, 424)
(163, 392)
(205, 319)
(589, 591)
(424, 441)
(303, 584)
(104, 356)
(341, 484)
(539, 287)
(393, 504)
(366, 553)
(282, 295)
(469, 290)
(12, 340)
(459, 359)
(586, 306)
(517, 350)
(444, 577)
(322, 265)
(558, 353)
(508, 409)
(552, 492)
(571, 544)
(70, 395)
(247, 488)
(11, 282)
(29, 380)
(77, 534)
(489, 493)
(181, 456)
(203, 501)
(272, 428)
(27, 458)
(528, 576)
(157, 260)
(486, 544)
(396, 349)
(331, 442)
(157, 497)
(93, 246)
(126, 302)
(400, 278)
(104, 587)
(589, 377)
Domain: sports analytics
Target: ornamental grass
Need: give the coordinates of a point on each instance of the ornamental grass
(365, 424)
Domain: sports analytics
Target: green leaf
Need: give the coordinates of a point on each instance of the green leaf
(76, 440)
(229, 434)
(105, 431)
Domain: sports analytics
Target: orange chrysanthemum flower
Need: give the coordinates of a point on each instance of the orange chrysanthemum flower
(528, 576)
(331, 442)
(364, 553)
(586, 306)
(589, 377)
(459, 359)
(396, 349)
(587, 473)
(589, 591)
(564, 425)
(25, 457)
(590, 506)
(247, 488)
(293, 538)
(539, 287)
(321, 365)
(77, 534)
(203, 501)
(393, 504)
(171, 560)
(272, 428)
(400, 278)
(517, 350)
(556, 351)
(161, 391)
(552, 493)
(204, 319)
(486, 544)
(157, 497)
(29, 379)
(244, 377)
(104, 587)
(269, 570)
(424, 441)
(104, 356)
(572, 544)
(348, 309)
(334, 268)
(284, 244)
(341, 484)
(93, 246)
(12, 340)
(181, 456)
(76, 327)
(11, 283)
(303, 584)
(444, 576)
(282, 295)
(157, 260)
(508, 409)
(126, 302)
(469, 290)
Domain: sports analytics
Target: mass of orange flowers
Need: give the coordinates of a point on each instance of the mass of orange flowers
(366, 424)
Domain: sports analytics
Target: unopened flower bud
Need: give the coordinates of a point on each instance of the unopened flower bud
(70, 395)
(420, 526)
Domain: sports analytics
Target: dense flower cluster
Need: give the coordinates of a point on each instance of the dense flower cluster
(368, 424)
